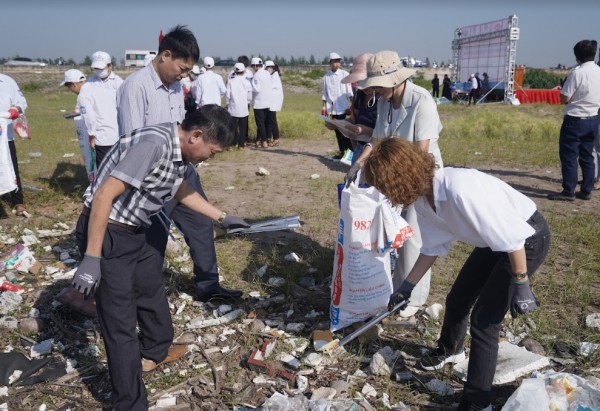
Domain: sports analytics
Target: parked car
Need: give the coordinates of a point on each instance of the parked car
(24, 61)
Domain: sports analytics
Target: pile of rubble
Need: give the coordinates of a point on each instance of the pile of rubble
(265, 352)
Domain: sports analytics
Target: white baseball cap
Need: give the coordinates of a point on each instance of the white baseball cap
(209, 62)
(100, 59)
(195, 69)
(202, 70)
(269, 63)
(334, 56)
(73, 76)
(256, 61)
(239, 67)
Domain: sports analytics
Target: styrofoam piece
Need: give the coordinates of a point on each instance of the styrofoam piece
(513, 362)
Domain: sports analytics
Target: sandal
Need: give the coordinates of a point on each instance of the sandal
(275, 143)
(265, 144)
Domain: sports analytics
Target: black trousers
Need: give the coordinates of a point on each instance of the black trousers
(131, 292)
(343, 142)
(272, 126)
(260, 117)
(241, 130)
(14, 197)
(483, 284)
(101, 152)
(198, 232)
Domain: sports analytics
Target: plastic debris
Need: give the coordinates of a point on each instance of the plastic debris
(439, 387)
(263, 172)
(9, 301)
(292, 257)
(42, 348)
(434, 310)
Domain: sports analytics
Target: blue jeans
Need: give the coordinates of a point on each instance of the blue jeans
(577, 142)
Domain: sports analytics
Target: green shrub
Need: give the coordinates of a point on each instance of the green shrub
(31, 87)
(538, 78)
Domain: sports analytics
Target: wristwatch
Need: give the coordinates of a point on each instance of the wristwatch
(222, 217)
(520, 276)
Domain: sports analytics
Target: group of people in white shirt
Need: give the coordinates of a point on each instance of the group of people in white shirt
(260, 86)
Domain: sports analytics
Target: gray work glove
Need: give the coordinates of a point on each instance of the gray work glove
(352, 173)
(231, 221)
(522, 300)
(87, 276)
(401, 294)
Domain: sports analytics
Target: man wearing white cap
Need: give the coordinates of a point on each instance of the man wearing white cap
(103, 72)
(238, 96)
(474, 86)
(98, 108)
(337, 97)
(262, 95)
(210, 87)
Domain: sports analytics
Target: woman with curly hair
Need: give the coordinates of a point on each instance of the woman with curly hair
(510, 239)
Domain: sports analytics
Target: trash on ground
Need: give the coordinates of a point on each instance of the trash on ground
(513, 362)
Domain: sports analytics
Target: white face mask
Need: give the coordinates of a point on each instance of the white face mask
(102, 73)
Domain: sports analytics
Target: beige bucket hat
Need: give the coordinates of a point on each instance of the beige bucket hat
(385, 69)
(359, 69)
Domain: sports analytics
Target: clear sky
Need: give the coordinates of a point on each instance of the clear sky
(228, 28)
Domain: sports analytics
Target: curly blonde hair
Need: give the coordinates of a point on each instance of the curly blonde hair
(400, 170)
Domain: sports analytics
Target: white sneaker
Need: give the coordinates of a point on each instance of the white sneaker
(409, 311)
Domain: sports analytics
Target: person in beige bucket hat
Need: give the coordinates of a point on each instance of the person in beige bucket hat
(406, 111)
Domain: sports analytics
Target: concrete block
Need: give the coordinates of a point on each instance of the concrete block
(513, 362)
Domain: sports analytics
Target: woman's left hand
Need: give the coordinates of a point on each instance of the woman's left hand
(522, 299)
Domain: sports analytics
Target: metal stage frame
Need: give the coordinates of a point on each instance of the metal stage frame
(503, 35)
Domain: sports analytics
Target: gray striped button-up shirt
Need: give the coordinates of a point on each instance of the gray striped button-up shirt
(149, 160)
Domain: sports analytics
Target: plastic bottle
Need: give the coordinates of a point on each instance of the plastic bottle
(10, 276)
(324, 111)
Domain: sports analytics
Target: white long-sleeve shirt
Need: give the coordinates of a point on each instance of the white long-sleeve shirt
(10, 96)
(262, 89)
(277, 102)
(98, 107)
(238, 96)
(335, 94)
(475, 208)
(208, 89)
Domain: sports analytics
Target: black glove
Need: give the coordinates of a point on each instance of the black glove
(401, 294)
(87, 276)
(231, 221)
(522, 300)
(352, 173)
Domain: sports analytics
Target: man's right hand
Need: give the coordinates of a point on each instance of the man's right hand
(87, 276)
(401, 294)
(13, 113)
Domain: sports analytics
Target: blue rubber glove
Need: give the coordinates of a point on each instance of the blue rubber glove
(522, 300)
(87, 276)
(401, 294)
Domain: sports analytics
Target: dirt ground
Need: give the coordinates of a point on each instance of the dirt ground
(216, 374)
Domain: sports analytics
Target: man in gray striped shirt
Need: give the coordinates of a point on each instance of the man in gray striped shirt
(142, 171)
(154, 95)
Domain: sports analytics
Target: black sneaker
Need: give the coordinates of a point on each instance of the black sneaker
(466, 405)
(582, 195)
(436, 359)
(562, 196)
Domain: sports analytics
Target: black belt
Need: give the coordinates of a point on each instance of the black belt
(567, 117)
(86, 212)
